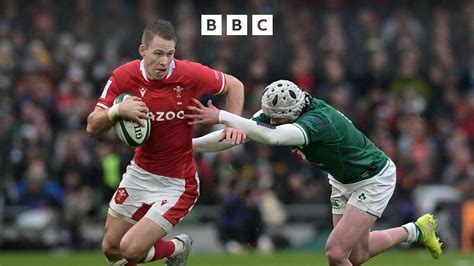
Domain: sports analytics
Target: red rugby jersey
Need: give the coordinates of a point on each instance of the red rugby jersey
(169, 150)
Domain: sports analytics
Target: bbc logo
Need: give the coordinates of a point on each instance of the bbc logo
(236, 25)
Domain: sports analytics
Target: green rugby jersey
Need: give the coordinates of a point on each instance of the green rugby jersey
(335, 145)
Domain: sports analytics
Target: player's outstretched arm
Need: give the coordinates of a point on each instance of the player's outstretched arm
(219, 140)
(284, 135)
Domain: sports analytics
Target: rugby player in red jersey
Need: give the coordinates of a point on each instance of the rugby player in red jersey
(160, 186)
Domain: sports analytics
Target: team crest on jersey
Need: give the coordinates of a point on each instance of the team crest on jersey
(178, 89)
(121, 195)
(142, 91)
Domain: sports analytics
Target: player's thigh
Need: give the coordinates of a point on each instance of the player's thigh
(115, 229)
(360, 249)
(352, 228)
(142, 235)
(165, 200)
(335, 219)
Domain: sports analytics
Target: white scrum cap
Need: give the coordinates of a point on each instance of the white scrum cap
(283, 99)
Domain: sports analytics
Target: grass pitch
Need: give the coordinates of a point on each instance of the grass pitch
(393, 258)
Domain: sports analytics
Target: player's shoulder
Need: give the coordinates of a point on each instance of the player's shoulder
(315, 107)
(316, 113)
(128, 69)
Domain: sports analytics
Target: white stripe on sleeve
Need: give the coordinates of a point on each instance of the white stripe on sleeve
(103, 106)
(223, 84)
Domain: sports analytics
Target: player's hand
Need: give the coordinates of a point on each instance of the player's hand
(134, 109)
(233, 135)
(203, 115)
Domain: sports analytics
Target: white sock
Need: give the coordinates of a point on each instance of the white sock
(121, 262)
(150, 255)
(412, 231)
(178, 247)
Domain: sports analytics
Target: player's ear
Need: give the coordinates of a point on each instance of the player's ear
(141, 49)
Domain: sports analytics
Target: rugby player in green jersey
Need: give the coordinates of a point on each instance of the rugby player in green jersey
(362, 177)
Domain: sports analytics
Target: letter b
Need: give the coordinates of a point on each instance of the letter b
(236, 24)
(211, 25)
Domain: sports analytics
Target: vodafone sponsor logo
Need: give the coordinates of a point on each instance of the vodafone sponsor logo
(166, 116)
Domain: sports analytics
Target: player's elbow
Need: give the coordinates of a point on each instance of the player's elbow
(92, 127)
(237, 83)
(91, 131)
(273, 141)
(234, 85)
(267, 139)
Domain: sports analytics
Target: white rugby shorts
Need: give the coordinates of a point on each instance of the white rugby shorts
(370, 195)
(164, 200)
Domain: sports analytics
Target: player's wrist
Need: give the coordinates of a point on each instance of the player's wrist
(113, 113)
(222, 117)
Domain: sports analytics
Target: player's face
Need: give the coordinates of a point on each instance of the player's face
(279, 121)
(157, 57)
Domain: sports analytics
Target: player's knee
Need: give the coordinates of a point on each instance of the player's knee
(110, 250)
(360, 258)
(131, 250)
(359, 254)
(335, 255)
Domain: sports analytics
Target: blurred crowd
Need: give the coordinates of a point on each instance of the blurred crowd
(402, 71)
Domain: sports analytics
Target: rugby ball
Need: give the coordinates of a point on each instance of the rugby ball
(129, 132)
